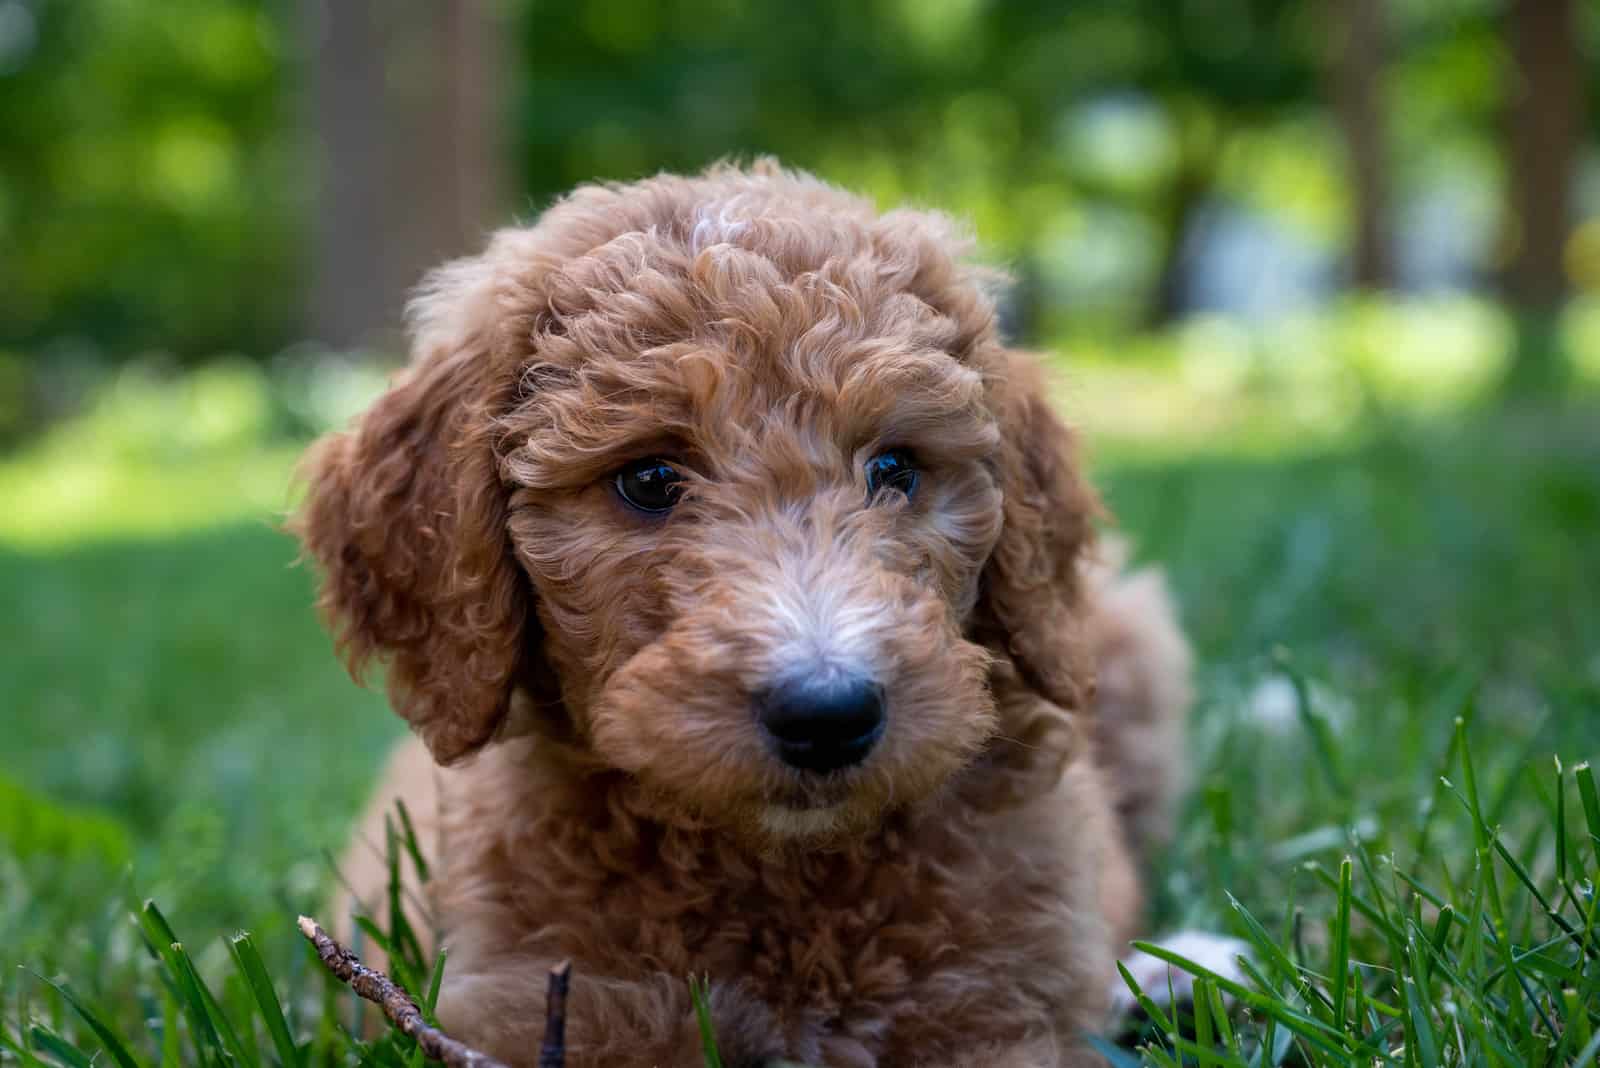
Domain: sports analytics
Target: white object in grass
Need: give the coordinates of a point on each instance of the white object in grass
(1164, 983)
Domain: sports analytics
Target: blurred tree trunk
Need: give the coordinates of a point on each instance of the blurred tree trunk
(1543, 138)
(405, 106)
(1357, 70)
(351, 293)
(1200, 141)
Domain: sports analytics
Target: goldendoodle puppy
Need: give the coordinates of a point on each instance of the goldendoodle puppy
(742, 580)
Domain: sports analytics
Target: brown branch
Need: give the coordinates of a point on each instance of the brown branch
(553, 1051)
(403, 1012)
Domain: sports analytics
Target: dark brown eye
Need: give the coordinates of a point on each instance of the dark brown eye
(650, 485)
(891, 470)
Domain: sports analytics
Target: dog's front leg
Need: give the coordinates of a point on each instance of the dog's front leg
(610, 1022)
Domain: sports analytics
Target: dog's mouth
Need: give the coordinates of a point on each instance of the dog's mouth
(812, 793)
(810, 821)
(810, 806)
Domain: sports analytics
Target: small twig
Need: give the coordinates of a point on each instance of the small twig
(553, 1051)
(399, 1007)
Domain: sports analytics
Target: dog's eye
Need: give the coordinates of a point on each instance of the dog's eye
(650, 485)
(891, 470)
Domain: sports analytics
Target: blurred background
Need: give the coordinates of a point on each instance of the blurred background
(1321, 279)
(1382, 195)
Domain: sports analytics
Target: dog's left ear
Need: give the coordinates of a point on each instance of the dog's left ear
(406, 514)
(1032, 588)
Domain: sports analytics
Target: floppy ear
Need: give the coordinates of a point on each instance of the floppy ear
(1032, 597)
(406, 515)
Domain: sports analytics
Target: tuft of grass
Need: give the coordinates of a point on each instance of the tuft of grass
(699, 996)
(238, 1017)
(1395, 640)
(1462, 959)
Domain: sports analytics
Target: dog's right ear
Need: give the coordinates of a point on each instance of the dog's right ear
(406, 514)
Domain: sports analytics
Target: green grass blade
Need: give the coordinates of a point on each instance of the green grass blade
(1359, 1010)
(254, 971)
(7, 1042)
(1159, 1057)
(1555, 917)
(1204, 1054)
(1590, 1053)
(1341, 946)
(409, 839)
(1147, 1003)
(109, 1039)
(1441, 929)
(1374, 914)
(1280, 961)
(431, 1001)
(1278, 1044)
(699, 994)
(222, 1026)
(1576, 1015)
(399, 968)
(171, 1033)
(1316, 725)
(1500, 929)
(18, 1045)
(164, 943)
(404, 946)
(45, 1040)
(1205, 1050)
(1219, 1013)
(1308, 1027)
(1561, 823)
(1591, 806)
(1420, 1033)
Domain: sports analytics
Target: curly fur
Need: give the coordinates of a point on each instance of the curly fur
(955, 899)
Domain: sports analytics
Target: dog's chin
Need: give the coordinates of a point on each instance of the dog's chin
(778, 816)
(781, 824)
(836, 812)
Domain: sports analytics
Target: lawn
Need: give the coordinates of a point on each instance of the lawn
(1369, 608)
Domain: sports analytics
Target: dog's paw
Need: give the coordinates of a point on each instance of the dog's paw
(1164, 983)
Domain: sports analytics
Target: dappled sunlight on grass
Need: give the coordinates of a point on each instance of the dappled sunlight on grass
(155, 455)
(1581, 336)
(1215, 384)
(58, 500)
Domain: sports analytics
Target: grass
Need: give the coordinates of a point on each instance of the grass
(1399, 632)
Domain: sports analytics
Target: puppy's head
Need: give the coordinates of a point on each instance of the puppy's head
(732, 477)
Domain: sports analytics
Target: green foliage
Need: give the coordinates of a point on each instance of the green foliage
(156, 188)
(1059, 129)
(33, 825)
(150, 193)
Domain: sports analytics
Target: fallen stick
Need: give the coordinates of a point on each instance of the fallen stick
(403, 1011)
(553, 1050)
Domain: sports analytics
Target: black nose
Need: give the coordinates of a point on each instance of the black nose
(823, 722)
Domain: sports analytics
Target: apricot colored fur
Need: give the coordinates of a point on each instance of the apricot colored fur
(585, 673)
